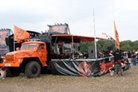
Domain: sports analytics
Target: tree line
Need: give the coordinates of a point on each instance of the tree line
(107, 45)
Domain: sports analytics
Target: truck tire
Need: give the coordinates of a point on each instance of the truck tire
(8, 72)
(32, 69)
(12, 72)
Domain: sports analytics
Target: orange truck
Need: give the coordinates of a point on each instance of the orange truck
(31, 57)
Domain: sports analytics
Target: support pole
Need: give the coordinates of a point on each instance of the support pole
(94, 35)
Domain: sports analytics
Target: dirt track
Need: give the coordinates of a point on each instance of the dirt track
(54, 83)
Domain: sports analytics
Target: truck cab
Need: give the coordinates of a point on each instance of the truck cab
(29, 59)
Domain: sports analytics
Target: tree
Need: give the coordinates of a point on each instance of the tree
(106, 45)
(84, 46)
(126, 45)
(135, 45)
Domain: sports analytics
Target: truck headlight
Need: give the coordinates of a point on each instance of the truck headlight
(19, 60)
(4, 60)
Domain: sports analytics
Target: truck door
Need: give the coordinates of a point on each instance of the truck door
(43, 54)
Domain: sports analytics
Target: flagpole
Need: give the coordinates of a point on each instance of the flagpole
(94, 35)
(13, 41)
(13, 45)
(72, 47)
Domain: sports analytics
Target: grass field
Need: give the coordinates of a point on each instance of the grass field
(58, 83)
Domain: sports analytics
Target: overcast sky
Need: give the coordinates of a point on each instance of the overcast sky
(37, 14)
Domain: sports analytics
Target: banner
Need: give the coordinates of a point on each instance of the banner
(81, 67)
(116, 37)
(20, 34)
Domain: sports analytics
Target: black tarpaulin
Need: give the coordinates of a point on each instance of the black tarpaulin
(79, 67)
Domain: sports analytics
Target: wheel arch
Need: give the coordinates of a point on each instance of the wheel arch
(27, 60)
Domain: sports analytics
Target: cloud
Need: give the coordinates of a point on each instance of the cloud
(36, 14)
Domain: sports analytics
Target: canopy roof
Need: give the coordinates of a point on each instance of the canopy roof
(74, 38)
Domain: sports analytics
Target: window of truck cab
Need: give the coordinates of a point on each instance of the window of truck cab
(41, 47)
(29, 46)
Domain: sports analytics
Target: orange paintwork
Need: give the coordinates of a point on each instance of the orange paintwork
(105, 66)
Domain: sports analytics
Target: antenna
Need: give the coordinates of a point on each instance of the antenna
(94, 35)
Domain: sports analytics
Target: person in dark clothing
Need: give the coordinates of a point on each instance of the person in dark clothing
(118, 65)
(129, 57)
(129, 54)
(117, 55)
(133, 57)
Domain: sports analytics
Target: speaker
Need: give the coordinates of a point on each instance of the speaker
(91, 52)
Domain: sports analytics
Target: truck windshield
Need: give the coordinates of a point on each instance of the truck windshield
(28, 46)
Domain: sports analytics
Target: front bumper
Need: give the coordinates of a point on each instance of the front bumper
(9, 65)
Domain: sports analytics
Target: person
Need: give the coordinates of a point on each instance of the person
(111, 53)
(117, 56)
(2, 72)
(123, 63)
(123, 66)
(111, 70)
(127, 63)
(125, 55)
(133, 58)
(129, 55)
(118, 61)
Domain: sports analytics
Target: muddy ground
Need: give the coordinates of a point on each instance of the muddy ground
(56, 83)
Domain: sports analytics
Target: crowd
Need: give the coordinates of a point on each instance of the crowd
(123, 58)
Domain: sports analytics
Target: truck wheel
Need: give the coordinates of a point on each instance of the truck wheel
(32, 69)
(8, 72)
(12, 72)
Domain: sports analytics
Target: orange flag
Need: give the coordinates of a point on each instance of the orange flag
(116, 37)
(20, 34)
